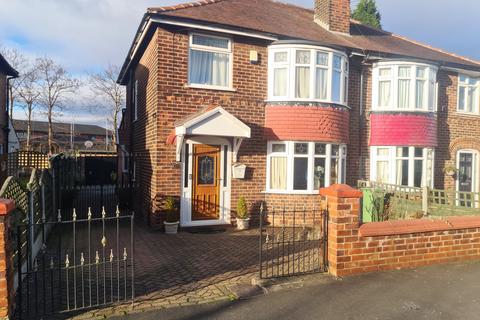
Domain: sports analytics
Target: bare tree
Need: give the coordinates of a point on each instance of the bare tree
(55, 85)
(104, 84)
(29, 94)
(18, 61)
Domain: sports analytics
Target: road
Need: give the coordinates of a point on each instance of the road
(437, 292)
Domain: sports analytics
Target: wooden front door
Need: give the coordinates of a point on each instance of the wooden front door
(206, 182)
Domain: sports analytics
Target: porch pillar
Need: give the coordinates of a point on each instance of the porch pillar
(343, 204)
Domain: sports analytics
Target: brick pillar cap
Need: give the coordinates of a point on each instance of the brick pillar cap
(6, 206)
(341, 191)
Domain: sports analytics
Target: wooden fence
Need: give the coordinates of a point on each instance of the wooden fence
(402, 202)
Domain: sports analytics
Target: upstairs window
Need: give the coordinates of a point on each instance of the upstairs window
(404, 86)
(210, 61)
(468, 94)
(307, 73)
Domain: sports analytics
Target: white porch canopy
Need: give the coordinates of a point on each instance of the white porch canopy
(215, 122)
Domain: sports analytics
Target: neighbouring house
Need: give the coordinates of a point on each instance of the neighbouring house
(66, 136)
(6, 73)
(271, 101)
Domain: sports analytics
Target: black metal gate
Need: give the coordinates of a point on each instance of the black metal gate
(74, 264)
(293, 242)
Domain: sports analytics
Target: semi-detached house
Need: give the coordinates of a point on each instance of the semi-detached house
(271, 101)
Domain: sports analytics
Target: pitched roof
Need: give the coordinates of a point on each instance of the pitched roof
(6, 68)
(293, 22)
(59, 128)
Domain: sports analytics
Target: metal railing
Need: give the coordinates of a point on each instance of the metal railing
(292, 242)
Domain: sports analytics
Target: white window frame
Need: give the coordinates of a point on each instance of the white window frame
(392, 164)
(430, 90)
(290, 155)
(466, 84)
(291, 65)
(197, 47)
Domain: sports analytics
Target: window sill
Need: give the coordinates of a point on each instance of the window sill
(403, 110)
(468, 114)
(207, 87)
(304, 101)
(292, 192)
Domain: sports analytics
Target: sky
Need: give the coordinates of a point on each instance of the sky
(86, 35)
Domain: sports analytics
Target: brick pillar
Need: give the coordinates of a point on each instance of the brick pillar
(343, 204)
(7, 292)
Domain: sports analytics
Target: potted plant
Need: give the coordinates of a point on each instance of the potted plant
(171, 219)
(243, 217)
(450, 171)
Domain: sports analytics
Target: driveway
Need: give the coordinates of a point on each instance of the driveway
(437, 292)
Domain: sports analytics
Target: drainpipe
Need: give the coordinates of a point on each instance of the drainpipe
(361, 171)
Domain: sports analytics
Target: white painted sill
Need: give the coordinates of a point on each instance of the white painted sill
(207, 87)
(292, 192)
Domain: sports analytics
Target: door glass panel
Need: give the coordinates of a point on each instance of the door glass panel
(206, 170)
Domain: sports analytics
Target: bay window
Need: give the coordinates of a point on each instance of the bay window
(210, 61)
(404, 86)
(307, 73)
(468, 95)
(406, 166)
(304, 167)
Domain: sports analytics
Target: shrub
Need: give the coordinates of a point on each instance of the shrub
(242, 210)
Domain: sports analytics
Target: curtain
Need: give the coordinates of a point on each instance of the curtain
(420, 94)
(278, 173)
(402, 173)
(382, 171)
(302, 86)
(471, 99)
(384, 93)
(321, 81)
(333, 171)
(461, 98)
(211, 68)
(280, 82)
(403, 93)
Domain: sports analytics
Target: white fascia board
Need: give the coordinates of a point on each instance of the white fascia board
(214, 29)
(472, 73)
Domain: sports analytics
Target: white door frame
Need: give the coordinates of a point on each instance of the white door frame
(225, 190)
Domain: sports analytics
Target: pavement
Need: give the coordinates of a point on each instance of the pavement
(450, 291)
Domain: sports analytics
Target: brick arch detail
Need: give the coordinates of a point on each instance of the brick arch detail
(464, 143)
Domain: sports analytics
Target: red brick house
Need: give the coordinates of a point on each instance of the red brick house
(299, 98)
(6, 73)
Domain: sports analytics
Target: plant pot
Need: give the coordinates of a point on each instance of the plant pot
(171, 227)
(243, 224)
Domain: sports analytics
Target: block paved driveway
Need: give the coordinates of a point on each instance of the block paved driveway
(191, 267)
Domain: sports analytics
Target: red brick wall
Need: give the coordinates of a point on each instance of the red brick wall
(333, 14)
(306, 123)
(377, 246)
(164, 68)
(403, 129)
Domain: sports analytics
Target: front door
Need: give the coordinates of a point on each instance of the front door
(466, 177)
(206, 182)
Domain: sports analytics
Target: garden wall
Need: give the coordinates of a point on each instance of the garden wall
(377, 246)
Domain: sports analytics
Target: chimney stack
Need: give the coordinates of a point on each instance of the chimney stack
(333, 15)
